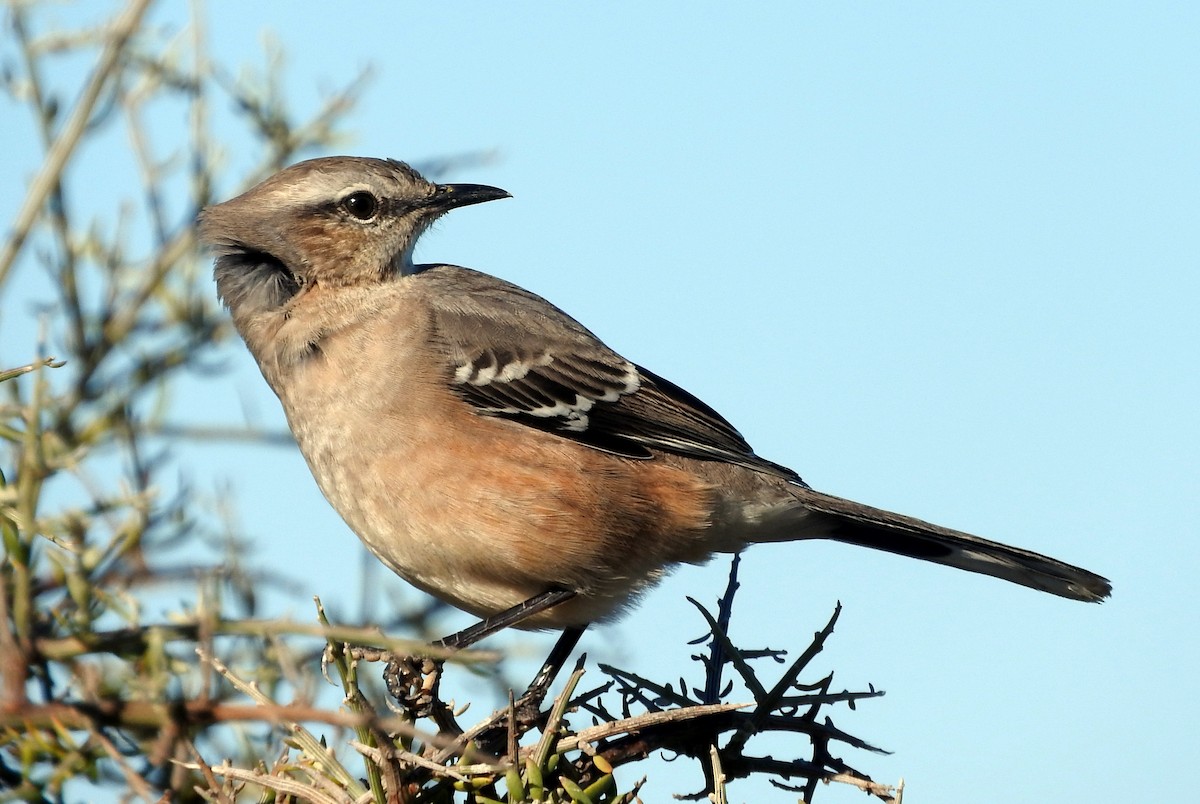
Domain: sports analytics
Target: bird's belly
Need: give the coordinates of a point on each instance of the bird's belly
(490, 520)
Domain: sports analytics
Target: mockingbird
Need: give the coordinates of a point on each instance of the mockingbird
(485, 445)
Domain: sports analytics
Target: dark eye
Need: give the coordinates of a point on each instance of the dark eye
(361, 205)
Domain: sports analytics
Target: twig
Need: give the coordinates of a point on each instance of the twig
(640, 723)
(60, 152)
(45, 362)
(306, 740)
(273, 781)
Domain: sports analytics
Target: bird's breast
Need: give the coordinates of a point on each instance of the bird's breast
(482, 511)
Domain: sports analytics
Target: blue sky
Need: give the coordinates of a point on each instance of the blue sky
(936, 257)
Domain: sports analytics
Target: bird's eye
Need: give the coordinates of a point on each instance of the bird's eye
(361, 205)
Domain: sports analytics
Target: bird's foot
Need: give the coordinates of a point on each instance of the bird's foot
(413, 681)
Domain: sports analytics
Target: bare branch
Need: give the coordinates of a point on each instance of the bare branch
(62, 148)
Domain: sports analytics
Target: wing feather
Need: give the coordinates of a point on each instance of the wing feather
(514, 355)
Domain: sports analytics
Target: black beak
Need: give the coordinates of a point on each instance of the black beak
(452, 196)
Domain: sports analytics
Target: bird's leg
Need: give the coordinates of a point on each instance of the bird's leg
(413, 681)
(535, 693)
(513, 616)
(526, 711)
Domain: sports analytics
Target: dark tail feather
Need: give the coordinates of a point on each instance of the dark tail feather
(854, 523)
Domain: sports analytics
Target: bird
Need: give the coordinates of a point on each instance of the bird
(486, 446)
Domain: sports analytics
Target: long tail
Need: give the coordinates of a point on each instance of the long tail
(854, 523)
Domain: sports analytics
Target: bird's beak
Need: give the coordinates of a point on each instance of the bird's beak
(452, 196)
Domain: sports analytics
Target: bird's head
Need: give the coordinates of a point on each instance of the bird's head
(328, 222)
